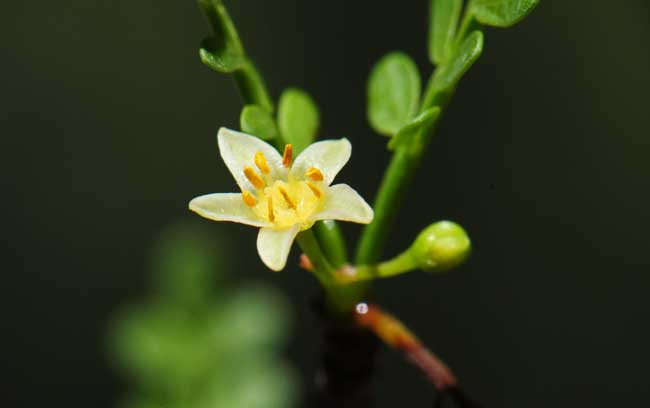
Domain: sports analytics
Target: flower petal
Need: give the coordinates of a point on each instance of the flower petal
(329, 156)
(238, 151)
(226, 207)
(274, 246)
(343, 203)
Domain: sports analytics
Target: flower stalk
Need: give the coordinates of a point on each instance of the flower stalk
(331, 239)
(319, 264)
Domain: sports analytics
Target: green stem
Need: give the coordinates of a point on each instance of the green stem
(251, 87)
(401, 264)
(434, 96)
(404, 163)
(321, 266)
(341, 298)
(221, 23)
(394, 185)
(330, 236)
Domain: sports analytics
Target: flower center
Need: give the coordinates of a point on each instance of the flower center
(283, 203)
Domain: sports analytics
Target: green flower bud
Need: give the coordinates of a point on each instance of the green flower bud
(440, 246)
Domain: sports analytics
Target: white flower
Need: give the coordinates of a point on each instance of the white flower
(279, 197)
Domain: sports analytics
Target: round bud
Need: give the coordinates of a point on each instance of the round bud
(441, 246)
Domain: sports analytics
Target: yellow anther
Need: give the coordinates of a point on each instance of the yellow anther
(260, 162)
(248, 198)
(286, 197)
(253, 177)
(287, 156)
(270, 207)
(314, 189)
(314, 174)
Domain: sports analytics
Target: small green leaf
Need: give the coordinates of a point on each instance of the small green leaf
(220, 57)
(442, 29)
(449, 74)
(257, 121)
(393, 93)
(501, 13)
(298, 118)
(223, 51)
(414, 132)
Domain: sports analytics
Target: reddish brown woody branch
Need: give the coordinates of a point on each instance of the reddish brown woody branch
(392, 332)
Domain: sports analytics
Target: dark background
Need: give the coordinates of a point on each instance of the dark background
(108, 123)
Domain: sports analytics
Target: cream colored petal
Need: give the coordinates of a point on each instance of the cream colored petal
(226, 207)
(343, 203)
(328, 156)
(238, 151)
(274, 246)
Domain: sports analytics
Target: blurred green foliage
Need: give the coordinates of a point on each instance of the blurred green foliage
(197, 341)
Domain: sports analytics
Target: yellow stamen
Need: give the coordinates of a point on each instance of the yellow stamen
(314, 189)
(253, 177)
(248, 198)
(286, 197)
(287, 156)
(270, 207)
(260, 162)
(314, 174)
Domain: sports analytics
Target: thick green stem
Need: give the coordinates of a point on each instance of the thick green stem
(434, 96)
(330, 236)
(393, 188)
(251, 87)
(396, 182)
(341, 298)
(404, 162)
(321, 266)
